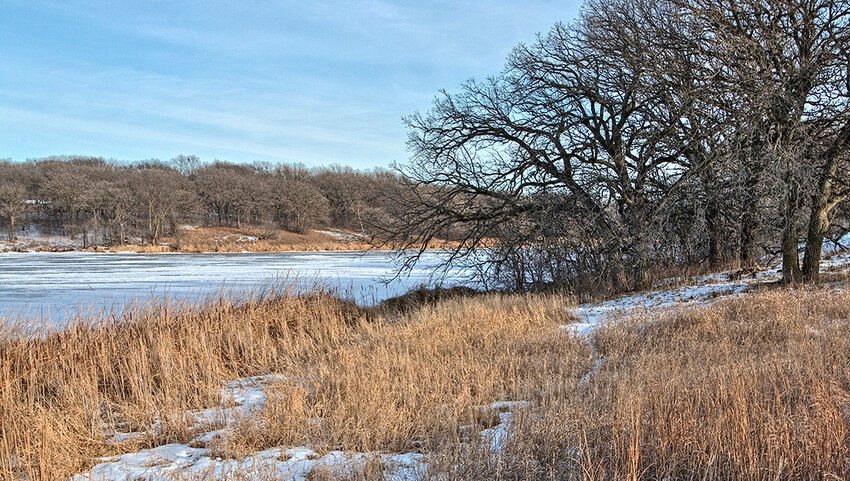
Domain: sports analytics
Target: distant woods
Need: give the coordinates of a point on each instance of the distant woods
(103, 202)
(646, 134)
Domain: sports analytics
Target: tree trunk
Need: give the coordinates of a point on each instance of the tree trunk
(96, 228)
(640, 250)
(822, 203)
(746, 256)
(790, 257)
(150, 224)
(158, 228)
(791, 273)
(818, 226)
(749, 221)
(715, 233)
(708, 177)
(640, 275)
(12, 237)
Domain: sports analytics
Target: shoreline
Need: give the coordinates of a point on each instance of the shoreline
(216, 240)
(183, 252)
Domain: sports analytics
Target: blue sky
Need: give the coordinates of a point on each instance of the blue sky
(243, 80)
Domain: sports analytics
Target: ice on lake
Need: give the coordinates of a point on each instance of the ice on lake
(56, 284)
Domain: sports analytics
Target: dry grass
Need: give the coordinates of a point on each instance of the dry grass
(227, 239)
(756, 387)
(374, 384)
(369, 468)
(419, 382)
(61, 392)
(422, 296)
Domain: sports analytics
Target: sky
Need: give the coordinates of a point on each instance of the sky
(310, 82)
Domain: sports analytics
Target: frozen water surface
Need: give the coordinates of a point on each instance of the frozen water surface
(56, 284)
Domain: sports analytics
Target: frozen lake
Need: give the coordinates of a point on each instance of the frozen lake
(56, 284)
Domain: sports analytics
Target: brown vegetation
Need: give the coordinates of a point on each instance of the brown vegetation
(100, 203)
(231, 239)
(756, 387)
(62, 393)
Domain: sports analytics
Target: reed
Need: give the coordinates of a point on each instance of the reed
(751, 388)
(755, 387)
(64, 392)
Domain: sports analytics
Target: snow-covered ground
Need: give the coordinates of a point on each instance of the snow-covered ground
(699, 291)
(703, 290)
(32, 240)
(174, 460)
(343, 236)
(247, 397)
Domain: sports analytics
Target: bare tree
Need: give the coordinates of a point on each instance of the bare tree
(159, 190)
(648, 118)
(785, 62)
(12, 205)
(299, 205)
(576, 116)
(118, 205)
(186, 164)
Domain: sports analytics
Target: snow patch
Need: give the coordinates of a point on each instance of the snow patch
(292, 464)
(593, 314)
(343, 236)
(246, 395)
(175, 460)
(496, 437)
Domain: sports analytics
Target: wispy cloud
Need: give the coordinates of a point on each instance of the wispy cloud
(316, 82)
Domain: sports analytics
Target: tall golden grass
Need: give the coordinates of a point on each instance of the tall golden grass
(376, 383)
(422, 380)
(751, 388)
(756, 387)
(63, 392)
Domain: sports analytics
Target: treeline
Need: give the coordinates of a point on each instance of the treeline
(646, 134)
(107, 202)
